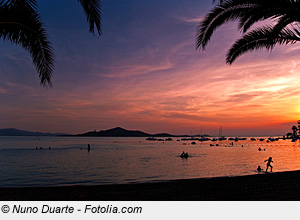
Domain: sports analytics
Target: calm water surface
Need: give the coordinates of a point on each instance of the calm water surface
(127, 160)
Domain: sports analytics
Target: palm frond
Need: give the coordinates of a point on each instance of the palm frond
(262, 38)
(253, 15)
(283, 22)
(92, 9)
(273, 9)
(21, 24)
(229, 10)
(247, 12)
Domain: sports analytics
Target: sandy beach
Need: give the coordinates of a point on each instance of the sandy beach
(261, 187)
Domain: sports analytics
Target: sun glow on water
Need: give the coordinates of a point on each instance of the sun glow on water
(125, 160)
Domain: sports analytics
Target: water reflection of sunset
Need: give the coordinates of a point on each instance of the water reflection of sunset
(126, 160)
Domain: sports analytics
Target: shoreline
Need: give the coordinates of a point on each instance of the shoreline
(277, 186)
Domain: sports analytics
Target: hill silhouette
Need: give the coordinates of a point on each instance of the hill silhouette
(121, 132)
(114, 132)
(17, 132)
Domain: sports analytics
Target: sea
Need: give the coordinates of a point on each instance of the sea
(59, 161)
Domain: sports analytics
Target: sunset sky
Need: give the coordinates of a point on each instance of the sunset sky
(144, 73)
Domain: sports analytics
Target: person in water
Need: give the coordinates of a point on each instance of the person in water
(185, 155)
(259, 169)
(89, 148)
(269, 161)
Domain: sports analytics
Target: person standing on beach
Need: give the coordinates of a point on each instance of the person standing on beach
(269, 163)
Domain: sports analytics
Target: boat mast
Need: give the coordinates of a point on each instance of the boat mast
(220, 132)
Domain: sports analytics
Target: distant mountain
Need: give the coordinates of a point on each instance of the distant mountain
(115, 132)
(121, 132)
(16, 132)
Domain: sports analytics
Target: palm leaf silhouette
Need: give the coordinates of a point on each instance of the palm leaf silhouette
(93, 14)
(262, 38)
(283, 13)
(21, 24)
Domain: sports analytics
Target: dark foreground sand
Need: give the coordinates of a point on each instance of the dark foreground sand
(260, 187)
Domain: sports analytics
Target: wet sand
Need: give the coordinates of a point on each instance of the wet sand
(261, 187)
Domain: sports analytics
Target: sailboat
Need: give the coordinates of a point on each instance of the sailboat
(202, 137)
(221, 137)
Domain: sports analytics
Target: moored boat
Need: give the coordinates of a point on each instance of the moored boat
(151, 139)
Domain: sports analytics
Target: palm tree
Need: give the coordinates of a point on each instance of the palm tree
(21, 24)
(284, 16)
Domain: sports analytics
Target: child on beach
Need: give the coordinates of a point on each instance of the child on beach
(269, 163)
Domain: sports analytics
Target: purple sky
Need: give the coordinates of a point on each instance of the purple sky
(144, 73)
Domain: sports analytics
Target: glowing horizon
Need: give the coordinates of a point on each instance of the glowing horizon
(144, 74)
